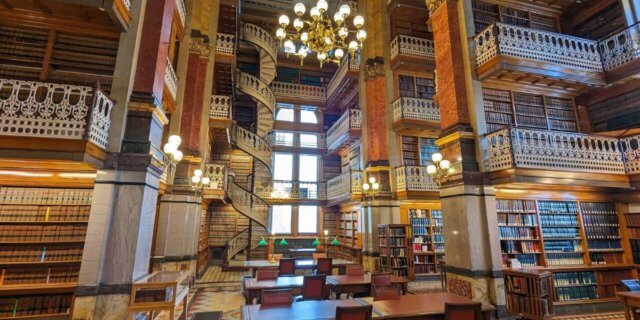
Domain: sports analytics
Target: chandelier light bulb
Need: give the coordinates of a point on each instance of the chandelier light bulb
(366, 187)
(361, 35)
(206, 180)
(280, 34)
(339, 53)
(338, 18)
(289, 46)
(431, 169)
(328, 40)
(314, 12)
(299, 9)
(358, 21)
(169, 148)
(375, 186)
(175, 139)
(372, 180)
(322, 5)
(177, 155)
(343, 32)
(298, 24)
(195, 179)
(445, 164)
(304, 37)
(345, 10)
(302, 52)
(436, 157)
(353, 46)
(283, 20)
(322, 56)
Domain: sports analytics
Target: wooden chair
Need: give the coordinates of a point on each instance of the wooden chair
(387, 293)
(287, 267)
(266, 274)
(355, 270)
(354, 313)
(631, 284)
(279, 297)
(318, 255)
(324, 266)
(463, 311)
(382, 282)
(314, 287)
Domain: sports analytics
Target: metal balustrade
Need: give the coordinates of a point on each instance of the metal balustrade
(217, 174)
(220, 107)
(50, 110)
(294, 190)
(339, 131)
(170, 79)
(414, 178)
(345, 185)
(415, 109)
(226, 44)
(298, 91)
(413, 47)
(620, 48)
(296, 139)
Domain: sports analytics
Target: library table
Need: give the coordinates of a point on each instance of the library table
(420, 306)
(297, 252)
(303, 310)
(253, 288)
(360, 284)
(630, 302)
(300, 264)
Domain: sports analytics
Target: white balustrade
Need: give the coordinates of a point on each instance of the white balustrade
(630, 147)
(415, 109)
(261, 38)
(348, 65)
(339, 132)
(50, 110)
(552, 150)
(220, 107)
(345, 185)
(170, 79)
(215, 172)
(225, 43)
(252, 144)
(182, 11)
(538, 45)
(248, 204)
(311, 140)
(298, 91)
(280, 189)
(620, 48)
(412, 46)
(414, 178)
(127, 4)
(256, 89)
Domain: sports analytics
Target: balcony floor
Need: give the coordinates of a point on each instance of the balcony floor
(575, 181)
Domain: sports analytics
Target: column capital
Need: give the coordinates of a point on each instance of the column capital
(433, 5)
(374, 68)
(200, 46)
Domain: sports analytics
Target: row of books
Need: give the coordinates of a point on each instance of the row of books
(564, 259)
(558, 220)
(560, 233)
(602, 232)
(45, 196)
(493, 94)
(633, 219)
(516, 206)
(17, 276)
(438, 238)
(527, 260)
(420, 222)
(517, 219)
(43, 233)
(558, 103)
(635, 250)
(576, 293)
(529, 121)
(498, 106)
(598, 207)
(557, 207)
(604, 244)
(562, 246)
(600, 219)
(517, 233)
(530, 110)
(393, 232)
(397, 262)
(392, 241)
(425, 268)
(418, 213)
(438, 247)
(606, 258)
(573, 278)
(422, 239)
(564, 125)
(562, 114)
(420, 231)
(499, 118)
(520, 247)
(418, 247)
(39, 254)
(35, 305)
(31, 213)
(527, 98)
(395, 252)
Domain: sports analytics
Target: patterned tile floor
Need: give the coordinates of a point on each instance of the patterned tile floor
(220, 291)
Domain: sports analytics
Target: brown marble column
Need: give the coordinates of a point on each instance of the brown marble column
(474, 266)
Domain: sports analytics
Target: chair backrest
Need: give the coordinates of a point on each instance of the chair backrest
(314, 287)
(631, 284)
(385, 293)
(463, 311)
(318, 255)
(355, 270)
(325, 266)
(381, 279)
(279, 297)
(267, 274)
(287, 267)
(354, 313)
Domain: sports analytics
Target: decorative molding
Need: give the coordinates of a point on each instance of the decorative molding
(433, 5)
(374, 68)
(200, 46)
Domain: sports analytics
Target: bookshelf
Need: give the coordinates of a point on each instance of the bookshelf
(396, 254)
(410, 151)
(42, 233)
(486, 13)
(427, 240)
(347, 232)
(580, 242)
(225, 222)
(633, 229)
(529, 293)
(203, 242)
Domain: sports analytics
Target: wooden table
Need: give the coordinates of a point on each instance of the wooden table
(360, 284)
(297, 252)
(420, 306)
(253, 288)
(630, 301)
(303, 310)
(300, 264)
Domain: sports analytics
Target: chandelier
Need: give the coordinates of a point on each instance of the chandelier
(320, 35)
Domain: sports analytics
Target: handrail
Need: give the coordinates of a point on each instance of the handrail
(296, 141)
(412, 46)
(348, 64)
(344, 185)
(171, 79)
(220, 107)
(414, 178)
(251, 143)
(261, 38)
(621, 47)
(225, 43)
(415, 108)
(236, 244)
(256, 89)
(298, 91)
(248, 204)
(339, 131)
(284, 189)
(182, 11)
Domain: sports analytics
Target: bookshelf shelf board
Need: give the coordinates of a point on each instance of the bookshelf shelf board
(43, 222)
(562, 226)
(43, 242)
(585, 301)
(517, 225)
(560, 238)
(39, 316)
(519, 239)
(576, 285)
(38, 263)
(38, 288)
(516, 212)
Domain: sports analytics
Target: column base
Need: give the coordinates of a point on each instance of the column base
(101, 307)
(488, 289)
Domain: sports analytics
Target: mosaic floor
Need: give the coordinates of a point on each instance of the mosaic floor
(220, 291)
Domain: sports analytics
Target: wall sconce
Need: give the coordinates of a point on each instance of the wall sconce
(172, 156)
(371, 188)
(198, 182)
(440, 169)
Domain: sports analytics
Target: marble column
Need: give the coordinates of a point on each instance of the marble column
(473, 259)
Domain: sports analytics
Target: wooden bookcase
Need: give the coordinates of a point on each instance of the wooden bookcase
(203, 242)
(42, 234)
(427, 240)
(347, 232)
(529, 293)
(580, 242)
(396, 254)
(487, 13)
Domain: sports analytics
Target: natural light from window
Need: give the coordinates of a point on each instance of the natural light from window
(283, 166)
(308, 140)
(285, 113)
(308, 116)
(284, 138)
(281, 219)
(307, 219)
(308, 168)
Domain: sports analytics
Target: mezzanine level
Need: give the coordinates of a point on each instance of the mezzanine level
(342, 91)
(409, 53)
(280, 190)
(298, 93)
(220, 111)
(414, 182)
(344, 131)
(346, 186)
(416, 114)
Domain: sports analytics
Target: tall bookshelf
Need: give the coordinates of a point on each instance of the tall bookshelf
(487, 13)
(580, 242)
(427, 240)
(396, 254)
(633, 230)
(347, 232)
(203, 242)
(42, 234)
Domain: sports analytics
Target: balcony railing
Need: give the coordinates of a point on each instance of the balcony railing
(170, 79)
(415, 109)
(620, 48)
(520, 42)
(339, 132)
(51, 110)
(182, 11)
(256, 89)
(297, 139)
(225, 43)
(412, 47)
(345, 185)
(299, 190)
(348, 65)
(298, 91)
(220, 107)
(630, 147)
(551, 150)
(414, 178)
(216, 172)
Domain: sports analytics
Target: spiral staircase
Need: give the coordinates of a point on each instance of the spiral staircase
(245, 199)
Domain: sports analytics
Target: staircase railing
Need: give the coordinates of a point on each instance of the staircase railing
(236, 244)
(256, 89)
(261, 38)
(247, 203)
(251, 143)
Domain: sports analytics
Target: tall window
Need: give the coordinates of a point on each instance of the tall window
(308, 170)
(307, 219)
(283, 166)
(308, 140)
(308, 114)
(284, 138)
(284, 112)
(281, 219)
